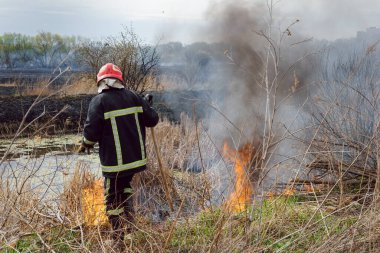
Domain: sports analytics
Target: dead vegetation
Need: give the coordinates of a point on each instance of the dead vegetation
(336, 210)
(344, 142)
(313, 221)
(138, 61)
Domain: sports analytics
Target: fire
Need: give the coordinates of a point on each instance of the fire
(93, 204)
(242, 194)
(308, 188)
(288, 191)
(270, 195)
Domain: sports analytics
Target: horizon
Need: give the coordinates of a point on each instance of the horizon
(168, 20)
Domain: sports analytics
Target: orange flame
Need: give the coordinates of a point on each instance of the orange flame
(242, 194)
(93, 208)
(308, 188)
(270, 195)
(288, 191)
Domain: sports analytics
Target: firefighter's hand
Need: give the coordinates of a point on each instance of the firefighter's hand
(83, 148)
(149, 99)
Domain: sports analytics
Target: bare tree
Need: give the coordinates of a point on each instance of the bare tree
(47, 47)
(137, 61)
(92, 54)
(196, 67)
(346, 115)
(8, 49)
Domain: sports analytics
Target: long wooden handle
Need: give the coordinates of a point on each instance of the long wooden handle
(166, 187)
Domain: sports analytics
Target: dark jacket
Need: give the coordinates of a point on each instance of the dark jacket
(117, 119)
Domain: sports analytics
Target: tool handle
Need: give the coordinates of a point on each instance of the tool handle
(166, 187)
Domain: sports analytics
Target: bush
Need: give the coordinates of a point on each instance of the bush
(345, 121)
(137, 61)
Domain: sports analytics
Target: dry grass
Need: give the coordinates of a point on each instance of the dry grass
(78, 85)
(343, 216)
(287, 224)
(176, 147)
(38, 88)
(72, 197)
(172, 83)
(304, 222)
(11, 84)
(362, 236)
(81, 85)
(343, 144)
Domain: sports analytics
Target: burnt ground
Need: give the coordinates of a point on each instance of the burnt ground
(14, 82)
(69, 112)
(30, 76)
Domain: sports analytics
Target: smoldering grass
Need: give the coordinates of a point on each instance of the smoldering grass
(339, 216)
(200, 225)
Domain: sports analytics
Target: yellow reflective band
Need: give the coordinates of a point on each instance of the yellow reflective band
(116, 211)
(117, 141)
(128, 190)
(88, 141)
(123, 112)
(122, 167)
(140, 137)
(108, 184)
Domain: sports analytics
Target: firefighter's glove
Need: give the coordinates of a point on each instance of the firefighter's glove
(149, 99)
(81, 148)
(84, 148)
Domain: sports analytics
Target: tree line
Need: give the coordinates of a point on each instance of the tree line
(191, 64)
(138, 61)
(43, 50)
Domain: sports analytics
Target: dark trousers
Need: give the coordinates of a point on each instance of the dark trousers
(119, 203)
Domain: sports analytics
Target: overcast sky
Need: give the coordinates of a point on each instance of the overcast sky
(175, 20)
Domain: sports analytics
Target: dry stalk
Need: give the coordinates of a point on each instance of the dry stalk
(163, 174)
(173, 226)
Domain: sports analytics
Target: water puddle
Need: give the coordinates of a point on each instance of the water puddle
(46, 164)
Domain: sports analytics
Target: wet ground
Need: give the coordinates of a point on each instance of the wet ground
(39, 146)
(44, 163)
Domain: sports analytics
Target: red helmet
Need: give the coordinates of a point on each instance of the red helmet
(109, 70)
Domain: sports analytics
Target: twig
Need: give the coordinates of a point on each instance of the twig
(173, 225)
(163, 174)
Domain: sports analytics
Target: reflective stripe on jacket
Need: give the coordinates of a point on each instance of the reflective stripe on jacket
(117, 119)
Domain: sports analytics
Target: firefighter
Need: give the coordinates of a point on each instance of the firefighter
(116, 119)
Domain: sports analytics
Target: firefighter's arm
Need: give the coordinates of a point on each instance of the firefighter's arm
(93, 126)
(149, 114)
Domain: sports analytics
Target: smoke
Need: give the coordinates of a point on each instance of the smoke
(266, 79)
(235, 25)
(332, 20)
(260, 92)
(253, 73)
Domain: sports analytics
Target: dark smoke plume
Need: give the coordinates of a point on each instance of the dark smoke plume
(245, 31)
(266, 63)
(235, 26)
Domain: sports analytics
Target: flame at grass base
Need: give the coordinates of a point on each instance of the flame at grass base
(93, 208)
(240, 198)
